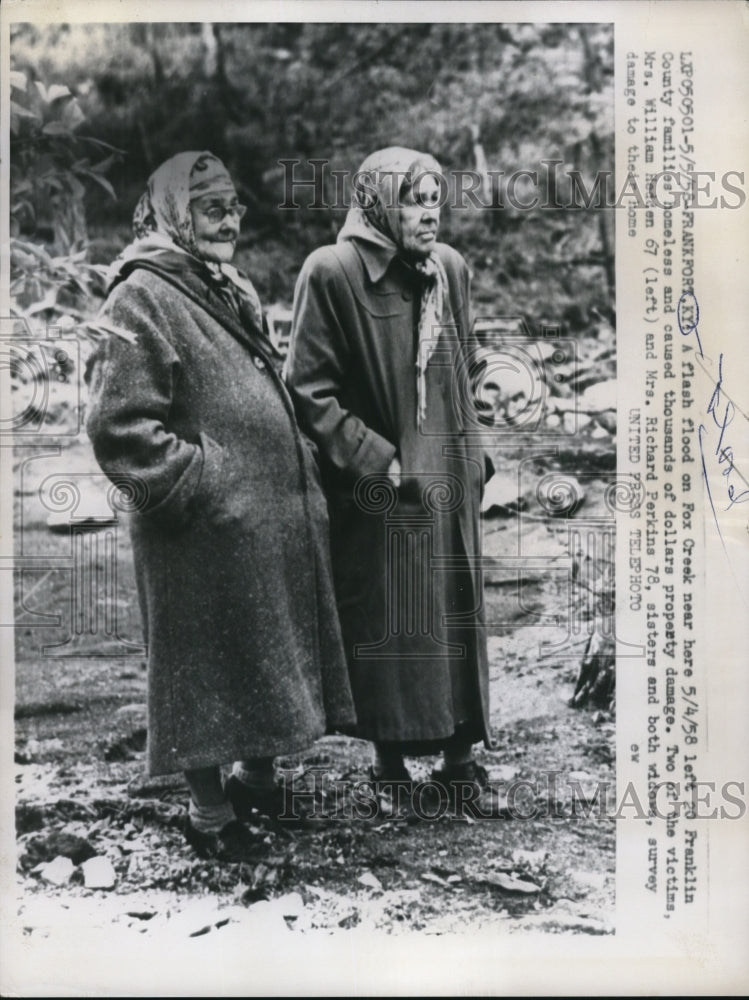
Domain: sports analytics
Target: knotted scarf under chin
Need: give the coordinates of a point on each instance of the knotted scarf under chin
(434, 308)
(237, 290)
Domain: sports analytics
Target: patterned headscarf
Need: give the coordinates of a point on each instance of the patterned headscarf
(162, 222)
(374, 217)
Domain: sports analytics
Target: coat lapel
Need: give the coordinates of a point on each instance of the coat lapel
(198, 290)
(183, 275)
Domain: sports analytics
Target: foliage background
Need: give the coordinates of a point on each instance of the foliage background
(497, 96)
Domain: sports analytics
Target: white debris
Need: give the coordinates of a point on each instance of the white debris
(58, 871)
(502, 491)
(98, 873)
(370, 880)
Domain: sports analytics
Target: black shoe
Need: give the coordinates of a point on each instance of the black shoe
(249, 799)
(233, 842)
(394, 792)
(466, 789)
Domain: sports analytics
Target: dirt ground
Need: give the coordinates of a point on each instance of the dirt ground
(82, 792)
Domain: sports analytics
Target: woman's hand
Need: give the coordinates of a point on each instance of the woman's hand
(394, 472)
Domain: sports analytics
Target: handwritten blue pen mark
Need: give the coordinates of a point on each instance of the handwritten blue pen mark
(701, 431)
(723, 411)
(688, 317)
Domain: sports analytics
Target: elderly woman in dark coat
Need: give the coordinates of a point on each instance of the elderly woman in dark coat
(230, 532)
(380, 371)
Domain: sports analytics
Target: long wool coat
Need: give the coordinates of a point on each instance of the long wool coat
(230, 542)
(409, 601)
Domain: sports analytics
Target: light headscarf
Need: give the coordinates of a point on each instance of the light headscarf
(162, 221)
(374, 217)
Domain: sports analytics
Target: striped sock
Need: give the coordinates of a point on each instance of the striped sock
(210, 819)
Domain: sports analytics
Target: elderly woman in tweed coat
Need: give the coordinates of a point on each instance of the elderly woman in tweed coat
(230, 538)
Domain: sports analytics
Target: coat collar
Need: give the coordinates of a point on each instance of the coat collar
(376, 259)
(192, 281)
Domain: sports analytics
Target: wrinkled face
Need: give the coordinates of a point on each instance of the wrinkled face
(420, 215)
(216, 238)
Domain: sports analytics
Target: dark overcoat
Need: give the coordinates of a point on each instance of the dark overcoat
(409, 595)
(230, 540)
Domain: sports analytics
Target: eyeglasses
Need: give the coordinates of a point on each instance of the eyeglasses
(217, 213)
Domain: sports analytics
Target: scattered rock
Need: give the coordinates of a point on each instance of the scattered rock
(98, 873)
(606, 420)
(599, 397)
(503, 772)
(437, 879)
(573, 422)
(502, 495)
(533, 859)
(511, 884)
(58, 871)
(370, 880)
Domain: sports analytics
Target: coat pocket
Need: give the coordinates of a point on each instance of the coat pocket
(208, 494)
(197, 494)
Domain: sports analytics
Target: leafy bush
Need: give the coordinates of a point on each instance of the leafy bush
(51, 172)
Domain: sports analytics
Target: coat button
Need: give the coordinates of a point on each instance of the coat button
(259, 363)
(406, 296)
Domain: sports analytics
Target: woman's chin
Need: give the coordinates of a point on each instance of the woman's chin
(218, 253)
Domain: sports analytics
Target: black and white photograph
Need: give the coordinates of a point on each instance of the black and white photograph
(311, 331)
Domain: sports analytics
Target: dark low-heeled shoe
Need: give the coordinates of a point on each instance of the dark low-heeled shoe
(246, 799)
(234, 842)
(393, 791)
(467, 790)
